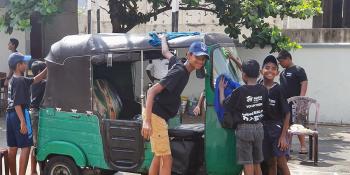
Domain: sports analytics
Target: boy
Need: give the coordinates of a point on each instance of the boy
(248, 102)
(163, 102)
(19, 133)
(294, 81)
(12, 47)
(276, 120)
(37, 91)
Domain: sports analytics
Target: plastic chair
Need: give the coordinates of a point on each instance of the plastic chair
(300, 109)
(3, 93)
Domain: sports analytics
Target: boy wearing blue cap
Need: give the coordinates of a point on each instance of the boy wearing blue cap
(18, 123)
(276, 120)
(163, 102)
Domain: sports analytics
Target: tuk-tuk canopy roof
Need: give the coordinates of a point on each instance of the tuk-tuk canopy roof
(79, 45)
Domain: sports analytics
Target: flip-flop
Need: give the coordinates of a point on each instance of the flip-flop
(303, 151)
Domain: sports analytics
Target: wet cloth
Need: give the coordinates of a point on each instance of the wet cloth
(155, 41)
(231, 85)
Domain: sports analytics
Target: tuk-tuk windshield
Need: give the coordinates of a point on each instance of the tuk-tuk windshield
(223, 65)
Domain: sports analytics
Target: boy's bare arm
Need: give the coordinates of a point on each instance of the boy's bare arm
(20, 115)
(165, 48)
(303, 88)
(282, 143)
(40, 76)
(147, 125)
(222, 87)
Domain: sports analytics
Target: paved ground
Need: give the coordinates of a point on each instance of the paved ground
(334, 147)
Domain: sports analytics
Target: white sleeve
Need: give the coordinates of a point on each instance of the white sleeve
(150, 67)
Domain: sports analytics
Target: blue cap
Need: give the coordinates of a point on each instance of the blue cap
(16, 57)
(198, 48)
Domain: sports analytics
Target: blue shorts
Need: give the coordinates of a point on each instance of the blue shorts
(272, 133)
(14, 136)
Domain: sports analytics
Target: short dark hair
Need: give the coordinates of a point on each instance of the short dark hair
(270, 59)
(14, 41)
(251, 68)
(38, 66)
(283, 54)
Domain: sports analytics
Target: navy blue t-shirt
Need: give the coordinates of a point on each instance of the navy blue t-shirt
(19, 92)
(166, 103)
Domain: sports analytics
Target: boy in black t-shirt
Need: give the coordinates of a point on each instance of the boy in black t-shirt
(163, 102)
(276, 120)
(248, 102)
(294, 81)
(18, 123)
(37, 93)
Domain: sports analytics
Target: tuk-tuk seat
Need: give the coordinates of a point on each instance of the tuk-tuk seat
(187, 131)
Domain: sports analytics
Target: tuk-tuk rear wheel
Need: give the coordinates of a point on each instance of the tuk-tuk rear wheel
(61, 165)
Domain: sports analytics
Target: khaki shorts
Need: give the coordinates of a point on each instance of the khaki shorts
(160, 143)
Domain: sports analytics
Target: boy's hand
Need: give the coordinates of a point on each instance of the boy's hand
(197, 110)
(282, 143)
(24, 129)
(222, 84)
(146, 129)
(162, 36)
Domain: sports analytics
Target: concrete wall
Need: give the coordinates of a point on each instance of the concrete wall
(327, 70)
(61, 25)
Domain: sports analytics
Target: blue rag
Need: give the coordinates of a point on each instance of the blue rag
(231, 85)
(155, 41)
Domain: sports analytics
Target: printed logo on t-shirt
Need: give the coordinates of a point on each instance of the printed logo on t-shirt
(289, 74)
(257, 114)
(272, 102)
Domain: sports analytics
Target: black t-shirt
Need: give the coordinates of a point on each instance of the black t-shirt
(249, 102)
(167, 103)
(290, 79)
(277, 106)
(37, 94)
(19, 92)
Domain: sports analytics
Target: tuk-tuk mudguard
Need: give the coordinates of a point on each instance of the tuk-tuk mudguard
(65, 149)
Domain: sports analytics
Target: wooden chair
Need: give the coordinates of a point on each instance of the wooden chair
(4, 156)
(301, 109)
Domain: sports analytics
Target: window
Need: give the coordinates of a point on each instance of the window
(222, 65)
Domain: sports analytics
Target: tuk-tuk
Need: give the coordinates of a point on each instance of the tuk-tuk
(77, 130)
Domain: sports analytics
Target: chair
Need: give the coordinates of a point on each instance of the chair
(3, 93)
(4, 155)
(300, 109)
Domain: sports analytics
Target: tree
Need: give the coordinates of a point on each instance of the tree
(234, 14)
(19, 12)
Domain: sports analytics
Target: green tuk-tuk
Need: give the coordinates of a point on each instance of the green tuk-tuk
(74, 134)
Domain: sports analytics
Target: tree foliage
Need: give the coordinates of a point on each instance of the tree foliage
(19, 12)
(233, 14)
